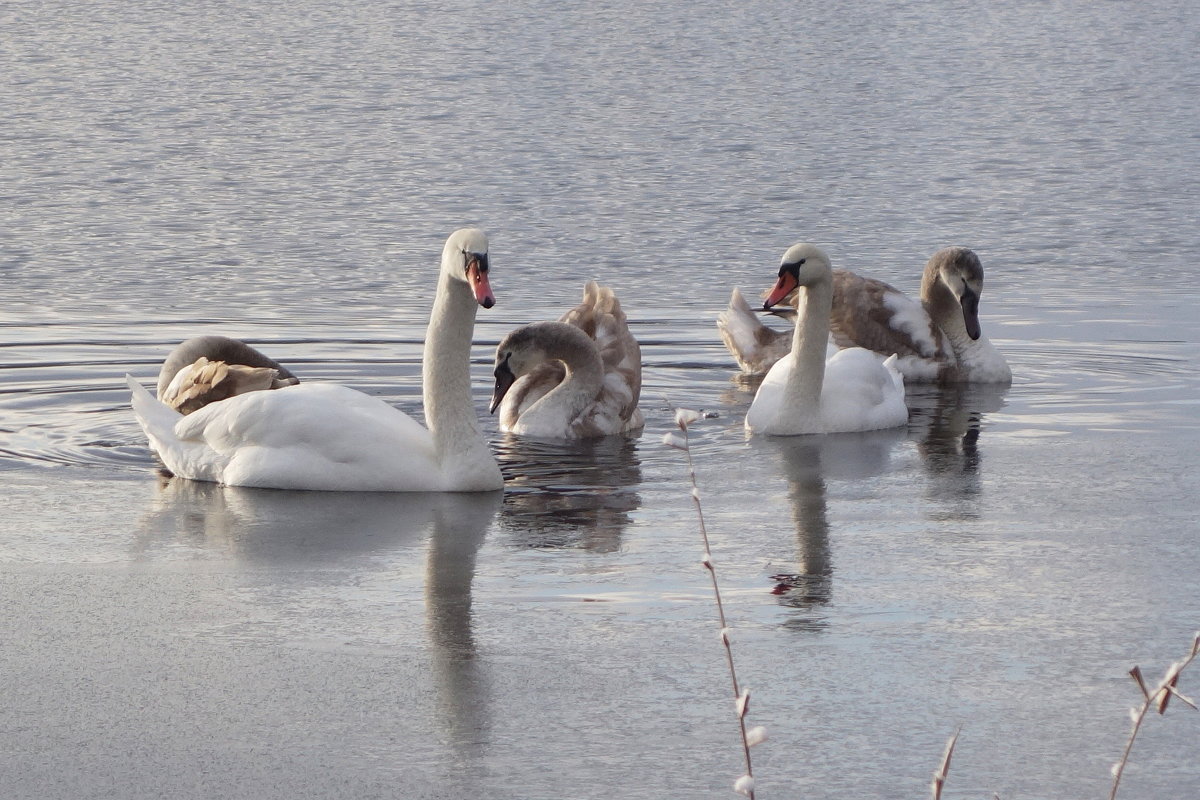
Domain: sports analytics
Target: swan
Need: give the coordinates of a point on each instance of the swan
(578, 378)
(205, 369)
(805, 393)
(330, 437)
(938, 339)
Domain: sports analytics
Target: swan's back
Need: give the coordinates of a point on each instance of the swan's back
(862, 394)
(270, 440)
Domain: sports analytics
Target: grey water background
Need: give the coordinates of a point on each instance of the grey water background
(287, 172)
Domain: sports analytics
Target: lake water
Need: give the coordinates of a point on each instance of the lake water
(287, 172)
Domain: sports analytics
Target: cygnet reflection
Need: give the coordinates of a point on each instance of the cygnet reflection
(946, 423)
(569, 493)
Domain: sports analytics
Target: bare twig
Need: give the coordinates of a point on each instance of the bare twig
(1157, 700)
(939, 777)
(751, 737)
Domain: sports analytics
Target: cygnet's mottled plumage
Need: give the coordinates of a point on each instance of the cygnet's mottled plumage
(207, 369)
(577, 378)
(936, 340)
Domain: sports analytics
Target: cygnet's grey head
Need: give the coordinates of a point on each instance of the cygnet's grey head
(961, 271)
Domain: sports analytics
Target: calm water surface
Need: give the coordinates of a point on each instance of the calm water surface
(287, 173)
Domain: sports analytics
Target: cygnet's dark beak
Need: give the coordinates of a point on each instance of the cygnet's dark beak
(970, 307)
(504, 381)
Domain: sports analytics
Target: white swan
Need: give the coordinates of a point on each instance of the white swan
(330, 437)
(205, 369)
(937, 340)
(577, 378)
(803, 393)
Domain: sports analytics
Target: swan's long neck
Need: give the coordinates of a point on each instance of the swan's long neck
(446, 373)
(585, 376)
(946, 312)
(809, 346)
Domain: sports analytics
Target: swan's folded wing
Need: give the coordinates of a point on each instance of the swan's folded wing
(601, 317)
(338, 421)
(874, 315)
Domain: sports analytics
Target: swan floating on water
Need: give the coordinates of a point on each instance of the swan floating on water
(806, 393)
(578, 378)
(330, 437)
(938, 339)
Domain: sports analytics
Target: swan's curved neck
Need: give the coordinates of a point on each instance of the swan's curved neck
(946, 312)
(585, 376)
(809, 344)
(446, 375)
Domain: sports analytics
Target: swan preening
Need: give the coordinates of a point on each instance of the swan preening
(206, 369)
(331, 437)
(936, 340)
(578, 378)
(805, 393)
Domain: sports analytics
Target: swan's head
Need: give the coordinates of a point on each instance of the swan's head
(528, 347)
(960, 271)
(803, 264)
(465, 258)
(518, 353)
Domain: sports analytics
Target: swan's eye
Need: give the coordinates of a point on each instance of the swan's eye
(792, 267)
(477, 260)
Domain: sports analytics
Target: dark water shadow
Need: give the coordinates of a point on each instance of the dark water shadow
(808, 463)
(564, 494)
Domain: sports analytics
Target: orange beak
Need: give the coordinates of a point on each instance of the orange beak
(479, 284)
(783, 287)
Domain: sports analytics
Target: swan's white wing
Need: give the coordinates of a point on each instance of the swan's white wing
(753, 345)
(310, 436)
(858, 393)
(861, 393)
(316, 436)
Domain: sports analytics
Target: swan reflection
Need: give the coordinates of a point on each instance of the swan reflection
(809, 463)
(335, 541)
(945, 422)
(569, 493)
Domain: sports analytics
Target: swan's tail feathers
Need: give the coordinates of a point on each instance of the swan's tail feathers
(601, 318)
(157, 419)
(597, 301)
(892, 364)
(753, 345)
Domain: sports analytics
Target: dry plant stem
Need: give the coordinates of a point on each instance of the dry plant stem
(1157, 699)
(939, 777)
(712, 574)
